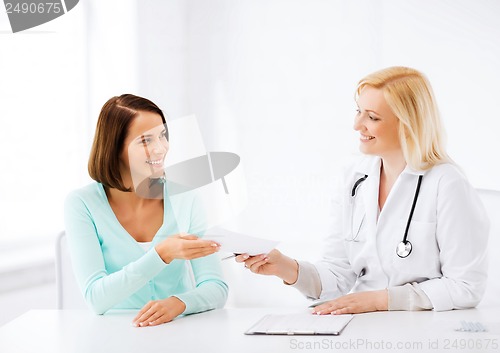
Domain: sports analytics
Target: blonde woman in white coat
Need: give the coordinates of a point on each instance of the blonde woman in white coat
(378, 256)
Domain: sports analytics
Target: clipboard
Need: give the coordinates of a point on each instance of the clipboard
(303, 324)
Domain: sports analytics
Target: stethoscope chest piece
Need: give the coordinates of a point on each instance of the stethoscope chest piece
(404, 249)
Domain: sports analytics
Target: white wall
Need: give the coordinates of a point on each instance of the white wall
(273, 81)
(42, 125)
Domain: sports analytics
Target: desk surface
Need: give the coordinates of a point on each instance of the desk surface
(70, 331)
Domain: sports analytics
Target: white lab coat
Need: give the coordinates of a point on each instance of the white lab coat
(449, 233)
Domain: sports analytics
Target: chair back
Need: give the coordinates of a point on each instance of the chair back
(491, 201)
(69, 295)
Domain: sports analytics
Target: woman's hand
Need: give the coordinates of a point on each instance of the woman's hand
(355, 303)
(159, 312)
(186, 247)
(274, 263)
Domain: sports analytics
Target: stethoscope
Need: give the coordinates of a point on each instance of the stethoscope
(404, 248)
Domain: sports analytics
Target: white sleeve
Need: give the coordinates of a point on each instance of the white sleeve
(334, 269)
(462, 236)
(332, 276)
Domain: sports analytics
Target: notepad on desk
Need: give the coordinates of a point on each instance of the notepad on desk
(300, 324)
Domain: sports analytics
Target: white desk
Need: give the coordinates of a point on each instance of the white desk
(71, 331)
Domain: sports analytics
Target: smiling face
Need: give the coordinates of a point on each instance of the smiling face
(377, 124)
(145, 148)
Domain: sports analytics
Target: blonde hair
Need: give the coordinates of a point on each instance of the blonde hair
(410, 97)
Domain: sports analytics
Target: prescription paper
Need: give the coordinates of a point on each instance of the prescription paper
(239, 243)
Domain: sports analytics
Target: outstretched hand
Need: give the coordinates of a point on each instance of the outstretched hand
(186, 247)
(274, 263)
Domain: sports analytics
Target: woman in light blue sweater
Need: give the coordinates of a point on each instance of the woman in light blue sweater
(132, 246)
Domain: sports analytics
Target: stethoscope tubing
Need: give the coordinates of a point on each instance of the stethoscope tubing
(415, 198)
(404, 242)
(356, 184)
(353, 195)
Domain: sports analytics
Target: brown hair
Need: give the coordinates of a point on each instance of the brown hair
(111, 130)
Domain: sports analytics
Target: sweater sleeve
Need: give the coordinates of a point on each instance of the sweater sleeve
(210, 290)
(102, 290)
(408, 297)
(308, 280)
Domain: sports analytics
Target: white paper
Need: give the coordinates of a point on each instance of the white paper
(238, 243)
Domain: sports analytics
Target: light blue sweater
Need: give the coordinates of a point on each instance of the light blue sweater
(112, 269)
